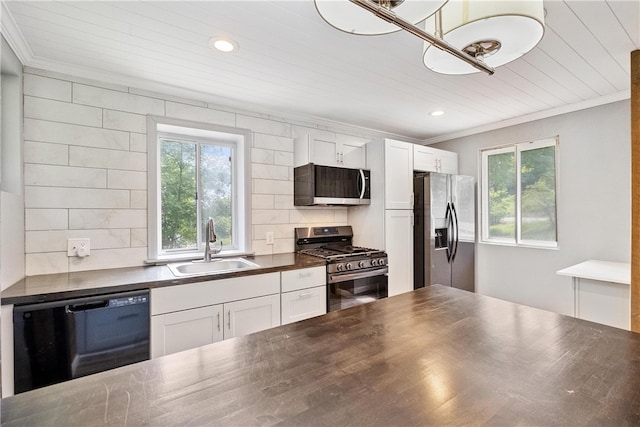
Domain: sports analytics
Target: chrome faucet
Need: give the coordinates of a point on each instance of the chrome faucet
(210, 237)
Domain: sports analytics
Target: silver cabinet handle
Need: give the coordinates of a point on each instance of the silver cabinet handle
(229, 319)
(218, 321)
(305, 295)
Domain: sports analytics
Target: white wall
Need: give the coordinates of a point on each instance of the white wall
(85, 171)
(12, 266)
(593, 204)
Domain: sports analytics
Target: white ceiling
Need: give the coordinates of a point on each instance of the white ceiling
(291, 61)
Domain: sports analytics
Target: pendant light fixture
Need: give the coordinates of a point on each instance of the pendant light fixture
(349, 17)
(494, 32)
(461, 36)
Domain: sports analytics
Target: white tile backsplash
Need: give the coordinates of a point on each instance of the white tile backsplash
(199, 114)
(66, 112)
(107, 218)
(110, 159)
(131, 180)
(270, 172)
(114, 100)
(58, 197)
(269, 186)
(45, 153)
(64, 133)
(85, 155)
(124, 121)
(45, 87)
(46, 219)
(64, 176)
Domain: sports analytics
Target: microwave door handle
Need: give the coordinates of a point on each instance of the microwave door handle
(362, 179)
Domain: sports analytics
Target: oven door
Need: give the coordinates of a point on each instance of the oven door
(350, 289)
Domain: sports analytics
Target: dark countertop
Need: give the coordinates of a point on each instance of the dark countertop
(51, 287)
(435, 356)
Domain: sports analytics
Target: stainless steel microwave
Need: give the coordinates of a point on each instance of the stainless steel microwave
(328, 185)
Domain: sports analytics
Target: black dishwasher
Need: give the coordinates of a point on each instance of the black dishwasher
(61, 340)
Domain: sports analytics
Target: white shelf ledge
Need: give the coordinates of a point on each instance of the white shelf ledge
(606, 271)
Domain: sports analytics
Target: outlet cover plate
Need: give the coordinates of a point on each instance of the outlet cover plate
(73, 245)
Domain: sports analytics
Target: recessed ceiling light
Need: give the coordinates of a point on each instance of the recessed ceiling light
(223, 44)
(437, 113)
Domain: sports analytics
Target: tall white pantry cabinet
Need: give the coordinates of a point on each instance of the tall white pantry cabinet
(388, 222)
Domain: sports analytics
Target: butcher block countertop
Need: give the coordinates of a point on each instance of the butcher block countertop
(435, 356)
(53, 287)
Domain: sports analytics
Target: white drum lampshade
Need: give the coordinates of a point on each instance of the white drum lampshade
(497, 32)
(351, 18)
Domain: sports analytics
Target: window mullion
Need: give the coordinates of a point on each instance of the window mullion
(199, 237)
(518, 212)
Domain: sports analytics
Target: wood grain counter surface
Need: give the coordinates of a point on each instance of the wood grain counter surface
(435, 356)
(51, 287)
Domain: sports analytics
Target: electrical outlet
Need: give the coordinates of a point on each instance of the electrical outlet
(79, 247)
(269, 237)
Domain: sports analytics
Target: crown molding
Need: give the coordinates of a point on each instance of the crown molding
(582, 105)
(13, 36)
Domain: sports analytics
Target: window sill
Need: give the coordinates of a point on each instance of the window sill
(521, 245)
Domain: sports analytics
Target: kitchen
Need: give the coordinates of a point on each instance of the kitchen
(59, 106)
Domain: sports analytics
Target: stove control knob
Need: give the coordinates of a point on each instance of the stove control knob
(381, 261)
(361, 264)
(349, 266)
(374, 262)
(340, 267)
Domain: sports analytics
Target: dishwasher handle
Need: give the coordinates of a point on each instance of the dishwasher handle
(73, 308)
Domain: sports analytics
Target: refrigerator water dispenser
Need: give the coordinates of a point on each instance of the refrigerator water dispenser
(441, 238)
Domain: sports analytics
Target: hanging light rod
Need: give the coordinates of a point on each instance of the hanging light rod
(389, 16)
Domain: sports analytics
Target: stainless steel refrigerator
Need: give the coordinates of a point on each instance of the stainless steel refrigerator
(444, 230)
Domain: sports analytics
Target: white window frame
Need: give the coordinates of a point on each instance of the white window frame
(240, 141)
(517, 149)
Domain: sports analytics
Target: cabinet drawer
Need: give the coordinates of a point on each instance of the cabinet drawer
(293, 280)
(303, 304)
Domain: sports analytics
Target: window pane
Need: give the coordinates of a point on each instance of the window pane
(178, 199)
(538, 193)
(502, 196)
(216, 190)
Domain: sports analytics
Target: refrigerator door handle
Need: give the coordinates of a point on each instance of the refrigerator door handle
(448, 220)
(455, 226)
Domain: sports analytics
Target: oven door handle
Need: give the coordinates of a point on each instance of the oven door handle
(357, 275)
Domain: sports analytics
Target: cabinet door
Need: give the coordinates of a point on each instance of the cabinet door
(448, 162)
(303, 304)
(325, 153)
(251, 315)
(353, 155)
(424, 159)
(398, 231)
(398, 175)
(182, 330)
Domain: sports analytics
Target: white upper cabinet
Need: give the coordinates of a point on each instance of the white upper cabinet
(398, 174)
(330, 149)
(427, 159)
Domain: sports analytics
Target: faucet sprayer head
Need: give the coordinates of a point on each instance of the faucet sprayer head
(211, 231)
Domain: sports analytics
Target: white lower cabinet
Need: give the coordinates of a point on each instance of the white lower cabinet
(304, 294)
(182, 330)
(303, 304)
(196, 314)
(251, 315)
(398, 230)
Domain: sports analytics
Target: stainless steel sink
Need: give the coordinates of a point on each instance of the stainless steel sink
(216, 266)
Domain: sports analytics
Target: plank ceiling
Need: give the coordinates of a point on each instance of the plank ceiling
(290, 61)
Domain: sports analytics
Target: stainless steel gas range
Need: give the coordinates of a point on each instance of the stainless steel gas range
(355, 275)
